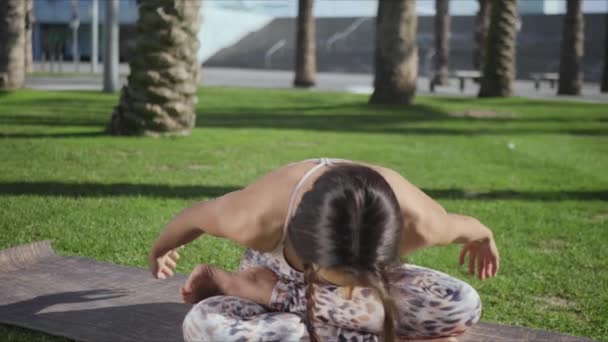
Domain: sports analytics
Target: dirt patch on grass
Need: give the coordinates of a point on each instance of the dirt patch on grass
(553, 245)
(169, 167)
(470, 193)
(481, 114)
(298, 143)
(128, 153)
(197, 167)
(562, 305)
(556, 302)
(599, 217)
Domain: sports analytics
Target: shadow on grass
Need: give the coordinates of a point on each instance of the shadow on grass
(53, 135)
(379, 123)
(516, 101)
(203, 191)
(587, 195)
(52, 120)
(112, 190)
(357, 117)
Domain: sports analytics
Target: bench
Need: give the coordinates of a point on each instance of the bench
(462, 76)
(551, 77)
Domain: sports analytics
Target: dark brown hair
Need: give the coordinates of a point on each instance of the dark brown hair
(350, 220)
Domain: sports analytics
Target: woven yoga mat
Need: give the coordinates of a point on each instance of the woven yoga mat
(87, 300)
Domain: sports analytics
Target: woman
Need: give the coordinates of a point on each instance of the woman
(324, 239)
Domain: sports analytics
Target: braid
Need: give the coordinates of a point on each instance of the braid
(378, 280)
(310, 277)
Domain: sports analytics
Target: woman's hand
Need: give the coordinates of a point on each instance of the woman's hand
(486, 255)
(162, 266)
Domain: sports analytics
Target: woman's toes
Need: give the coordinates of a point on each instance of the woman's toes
(200, 285)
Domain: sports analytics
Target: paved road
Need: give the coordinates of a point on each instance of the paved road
(356, 83)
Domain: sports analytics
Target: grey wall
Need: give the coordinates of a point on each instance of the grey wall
(538, 45)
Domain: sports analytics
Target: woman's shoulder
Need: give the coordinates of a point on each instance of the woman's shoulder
(413, 200)
(266, 202)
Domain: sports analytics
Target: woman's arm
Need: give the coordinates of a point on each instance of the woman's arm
(454, 228)
(231, 216)
(427, 224)
(251, 217)
(238, 216)
(477, 239)
(202, 217)
(184, 227)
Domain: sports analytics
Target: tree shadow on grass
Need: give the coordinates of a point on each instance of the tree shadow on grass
(112, 190)
(348, 117)
(517, 101)
(52, 135)
(378, 123)
(52, 120)
(459, 194)
(95, 190)
(363, 118)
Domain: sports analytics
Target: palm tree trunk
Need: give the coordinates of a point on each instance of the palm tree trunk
(306, 54)
(499, 65)
(12, 48)
(160, 96)
(396, 55)
(482, 24)
(570, 65)
(442, 41)
(29, 25)
(604, 86)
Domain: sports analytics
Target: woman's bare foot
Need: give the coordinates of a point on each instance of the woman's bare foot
(205, 281)
(201, 284)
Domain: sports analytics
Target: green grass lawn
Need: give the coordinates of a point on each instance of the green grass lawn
(533, 171)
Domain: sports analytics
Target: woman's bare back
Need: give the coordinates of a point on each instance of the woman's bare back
(267, 201)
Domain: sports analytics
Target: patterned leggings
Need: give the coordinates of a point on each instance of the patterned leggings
(430, 304)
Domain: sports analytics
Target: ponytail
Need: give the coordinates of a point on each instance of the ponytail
(378, 280)
(310, 277)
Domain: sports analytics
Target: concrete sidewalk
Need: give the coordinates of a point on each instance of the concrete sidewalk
(355, 83)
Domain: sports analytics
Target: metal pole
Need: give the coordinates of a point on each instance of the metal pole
(75, 23)
(75, 50)
(110, 60)
(274, 48)
(94, 34)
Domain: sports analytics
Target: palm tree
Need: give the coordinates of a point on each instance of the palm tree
(482, 24)
(160, 96)
(604, 86)
(396, 55)
(570, 64)
(306, 55)
(442, 41)
(12, 44)
(499, 64)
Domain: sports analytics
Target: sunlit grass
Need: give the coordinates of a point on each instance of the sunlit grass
(533, 171)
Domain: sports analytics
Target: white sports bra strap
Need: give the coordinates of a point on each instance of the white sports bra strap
(295, 192)
(321, 162)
